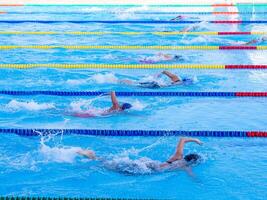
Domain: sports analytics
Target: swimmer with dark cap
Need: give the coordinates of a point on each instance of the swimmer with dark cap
(174, 80)
(133, 167)
(160, 57)
(115, 108)
(257, 41)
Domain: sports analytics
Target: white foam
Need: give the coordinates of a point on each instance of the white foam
(76, 81)
(30, 105)
(78, 106)
(105, 78)
(93, 9)
(59, 154)
(137, 105)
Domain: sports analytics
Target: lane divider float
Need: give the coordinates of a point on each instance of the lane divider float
(153, 5)
(138, 12)
(121, 93)
(96, 132)
(132, 47)
(165, 33)
(131, 66)
(134, 22)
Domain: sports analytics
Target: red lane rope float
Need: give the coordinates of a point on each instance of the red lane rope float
(251, 94)
(225, 13)
(222, 5)
(245, 66)
(235, 33)
(237, 47)
(3, 12)
(227, 21)
(256, 134)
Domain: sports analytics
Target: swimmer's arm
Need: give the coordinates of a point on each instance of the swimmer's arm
(114, 100)
(189, 171)
(173, 77)
(178, 155)
(87, 153)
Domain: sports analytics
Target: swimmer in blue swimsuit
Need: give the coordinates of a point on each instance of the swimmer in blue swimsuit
(175, 80)
(115, 108)
(135, 167)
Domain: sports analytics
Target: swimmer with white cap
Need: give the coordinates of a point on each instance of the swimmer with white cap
(135, 167)
(115, 108)
(174, 80)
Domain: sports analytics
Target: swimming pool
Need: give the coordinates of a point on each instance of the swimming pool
(48, 166)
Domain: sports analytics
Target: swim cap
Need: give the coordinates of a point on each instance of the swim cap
(192, 158)
(177, 57)
(126, 106)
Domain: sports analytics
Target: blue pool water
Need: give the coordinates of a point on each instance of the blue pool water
(41, 166)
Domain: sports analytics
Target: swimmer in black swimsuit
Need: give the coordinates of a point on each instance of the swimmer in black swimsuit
(176, 161)
(175, 80)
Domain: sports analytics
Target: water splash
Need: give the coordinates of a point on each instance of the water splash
(15, 105)
(105, 78)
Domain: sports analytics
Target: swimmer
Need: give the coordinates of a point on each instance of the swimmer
(176, 161)
(177, 18)
(159, 58)
(256, 41)
(115, 108)
(174, 80)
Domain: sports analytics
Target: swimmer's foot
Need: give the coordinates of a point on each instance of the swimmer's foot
(87, 153)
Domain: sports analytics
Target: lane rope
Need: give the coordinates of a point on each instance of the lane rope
(131, 66)
(153, 5)
(95, 132)
(60, 198)
(121, 93)
(141, 13)
(165, 33)
(134, 22)
(133, 47)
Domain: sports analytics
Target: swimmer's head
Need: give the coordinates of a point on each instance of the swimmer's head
(192, 158)
(126, 106)
(177, 57)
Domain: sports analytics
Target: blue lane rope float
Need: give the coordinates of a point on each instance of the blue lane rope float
(132, 22)
(62, 198)
(96, 132)
(121, 93)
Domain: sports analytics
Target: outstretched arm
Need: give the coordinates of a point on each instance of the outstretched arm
(178, 155)
(172, 76)
(114, 100)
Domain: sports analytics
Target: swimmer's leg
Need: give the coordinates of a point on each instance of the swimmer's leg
(87, 153)
(178, 155)
(127, 82)
(173, 77)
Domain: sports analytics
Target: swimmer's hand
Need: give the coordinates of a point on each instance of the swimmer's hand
(87, 153)
(192, 140)
(198, 142)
